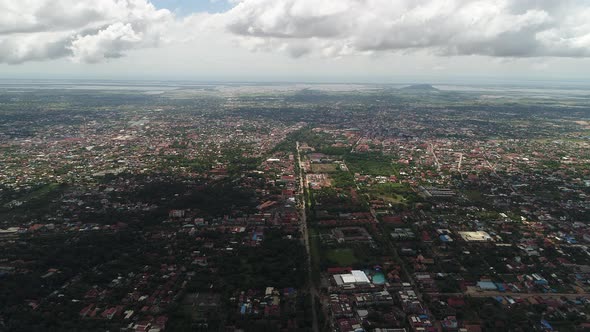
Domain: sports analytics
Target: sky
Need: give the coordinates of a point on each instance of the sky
(381, 41)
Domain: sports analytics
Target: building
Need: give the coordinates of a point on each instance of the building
(478, 236)
(355, 277)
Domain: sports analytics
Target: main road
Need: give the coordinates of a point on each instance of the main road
(475, 293)
(431, 148)
(305, 234)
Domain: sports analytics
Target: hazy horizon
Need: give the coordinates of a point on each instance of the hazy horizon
(450, 81)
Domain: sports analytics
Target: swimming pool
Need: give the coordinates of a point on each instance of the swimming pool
(378, 278)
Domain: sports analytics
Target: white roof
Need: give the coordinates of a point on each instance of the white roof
(475, 236)
(360, 276)
(348, 278)
(9, 230)
(355, 277)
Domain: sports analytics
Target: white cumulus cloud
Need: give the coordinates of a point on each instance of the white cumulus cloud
(92, 31)
(83, 30)
(502, 28)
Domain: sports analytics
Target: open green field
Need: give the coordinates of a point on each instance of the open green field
(393, 199)
(371, 164)
(324, 168)
(474, 195)
(343, 257)
(393, 193)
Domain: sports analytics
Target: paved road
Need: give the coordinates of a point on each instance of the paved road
(475, 293)
(305, 234)
(355, 144)
(493, 168)
(431, 148)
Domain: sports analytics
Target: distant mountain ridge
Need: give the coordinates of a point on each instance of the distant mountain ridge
(420, 87)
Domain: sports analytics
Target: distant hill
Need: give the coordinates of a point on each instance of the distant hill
(420, 88)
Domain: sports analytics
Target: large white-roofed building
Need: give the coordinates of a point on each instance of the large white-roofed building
(479, 236)
(355, 277)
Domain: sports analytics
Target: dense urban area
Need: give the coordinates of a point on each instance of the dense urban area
(245, 207)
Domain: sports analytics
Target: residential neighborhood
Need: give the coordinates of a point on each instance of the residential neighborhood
(333, 213)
